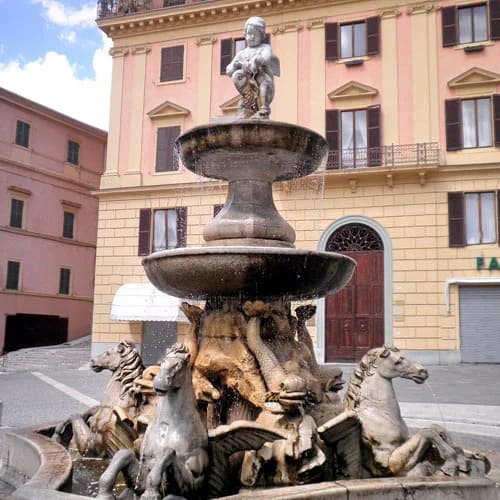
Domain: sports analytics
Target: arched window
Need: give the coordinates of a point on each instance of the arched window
(354, 238)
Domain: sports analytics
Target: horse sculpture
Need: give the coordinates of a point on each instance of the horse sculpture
(386, 448)
(177, 449)
(106, 428)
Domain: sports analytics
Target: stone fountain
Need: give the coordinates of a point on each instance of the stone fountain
(247, 371)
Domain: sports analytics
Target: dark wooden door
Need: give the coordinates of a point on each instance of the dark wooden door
(355, 315)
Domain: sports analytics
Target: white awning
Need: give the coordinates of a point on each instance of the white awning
(144, 302)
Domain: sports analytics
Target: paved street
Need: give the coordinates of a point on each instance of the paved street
(47, 384)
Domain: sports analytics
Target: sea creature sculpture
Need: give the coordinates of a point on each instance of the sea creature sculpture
(271, 339)
(297, 459)
(176, 452)
(225, 364)
(108, 427)
(252, 71)
(376, 439)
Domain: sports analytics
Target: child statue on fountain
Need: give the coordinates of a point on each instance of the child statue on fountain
(252, 71)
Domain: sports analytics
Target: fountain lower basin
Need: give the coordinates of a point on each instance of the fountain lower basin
(248, 272)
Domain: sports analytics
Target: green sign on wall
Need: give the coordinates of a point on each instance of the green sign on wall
(492, 263)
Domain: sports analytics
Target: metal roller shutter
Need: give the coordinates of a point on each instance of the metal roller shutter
(480, 324)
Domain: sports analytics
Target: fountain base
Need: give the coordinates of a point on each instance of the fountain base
(43, 465)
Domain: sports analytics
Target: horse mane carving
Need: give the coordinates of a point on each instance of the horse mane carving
(363, 370)
(130, 367)
(178, 350)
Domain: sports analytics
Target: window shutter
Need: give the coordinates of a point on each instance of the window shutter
(449, 24)
(332, 137)
(13, 269)
(226, 54)
(495, 19)
(453, 125)
(267, 38)
(165, 157)
(374, 136)
(164, 65)
(496, 119)
(172, 63)
(144, 231)
(181, 226)
(331, 42)
(456, 219)
(372, 35)
(498, 216)
(23, 134)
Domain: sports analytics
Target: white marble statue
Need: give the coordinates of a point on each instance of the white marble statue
(252, 71)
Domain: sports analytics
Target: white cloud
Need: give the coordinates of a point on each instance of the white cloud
(68, 36)
(63, 15)
(52, 81)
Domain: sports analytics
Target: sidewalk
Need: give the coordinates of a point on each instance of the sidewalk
(74, 354)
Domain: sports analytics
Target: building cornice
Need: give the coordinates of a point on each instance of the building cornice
(318, 23)
(84, 188)
(280, 29)
(421, 8)
(200, 13)
(57, 239)
(81, 298)
(206, 185)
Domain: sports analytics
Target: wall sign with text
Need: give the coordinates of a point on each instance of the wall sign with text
(489, 263)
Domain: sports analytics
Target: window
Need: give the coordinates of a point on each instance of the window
(73, 150)
(166, 160)
(64, 280)
(68, 224)
(472, 25)
(13, 271)
(172, 64)
(476, 122)
(16, 213)
(472, 218)
(353, 137)
(168, 227)
(23, 134)
(345, 41)
(229, 47)
(469, 24)
(352, 40)
(472, 123)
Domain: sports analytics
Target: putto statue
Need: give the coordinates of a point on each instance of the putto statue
(252, 71)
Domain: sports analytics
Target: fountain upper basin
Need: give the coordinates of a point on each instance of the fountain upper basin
(252, 149)
(249, 272)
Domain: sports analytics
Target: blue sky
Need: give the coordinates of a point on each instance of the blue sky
(51, 51)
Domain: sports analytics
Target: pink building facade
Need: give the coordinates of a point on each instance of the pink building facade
(49, 166)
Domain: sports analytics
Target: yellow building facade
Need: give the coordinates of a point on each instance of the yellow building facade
(408, 99)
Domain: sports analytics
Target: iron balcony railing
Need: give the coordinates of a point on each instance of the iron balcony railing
(110, 8)
(424, 153)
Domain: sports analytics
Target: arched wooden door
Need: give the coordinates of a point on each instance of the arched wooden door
(354, 320)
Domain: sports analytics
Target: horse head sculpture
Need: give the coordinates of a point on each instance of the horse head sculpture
(174, 370)
(384, 442)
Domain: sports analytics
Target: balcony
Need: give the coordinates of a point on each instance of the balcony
(112, 8)
(424, 153)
